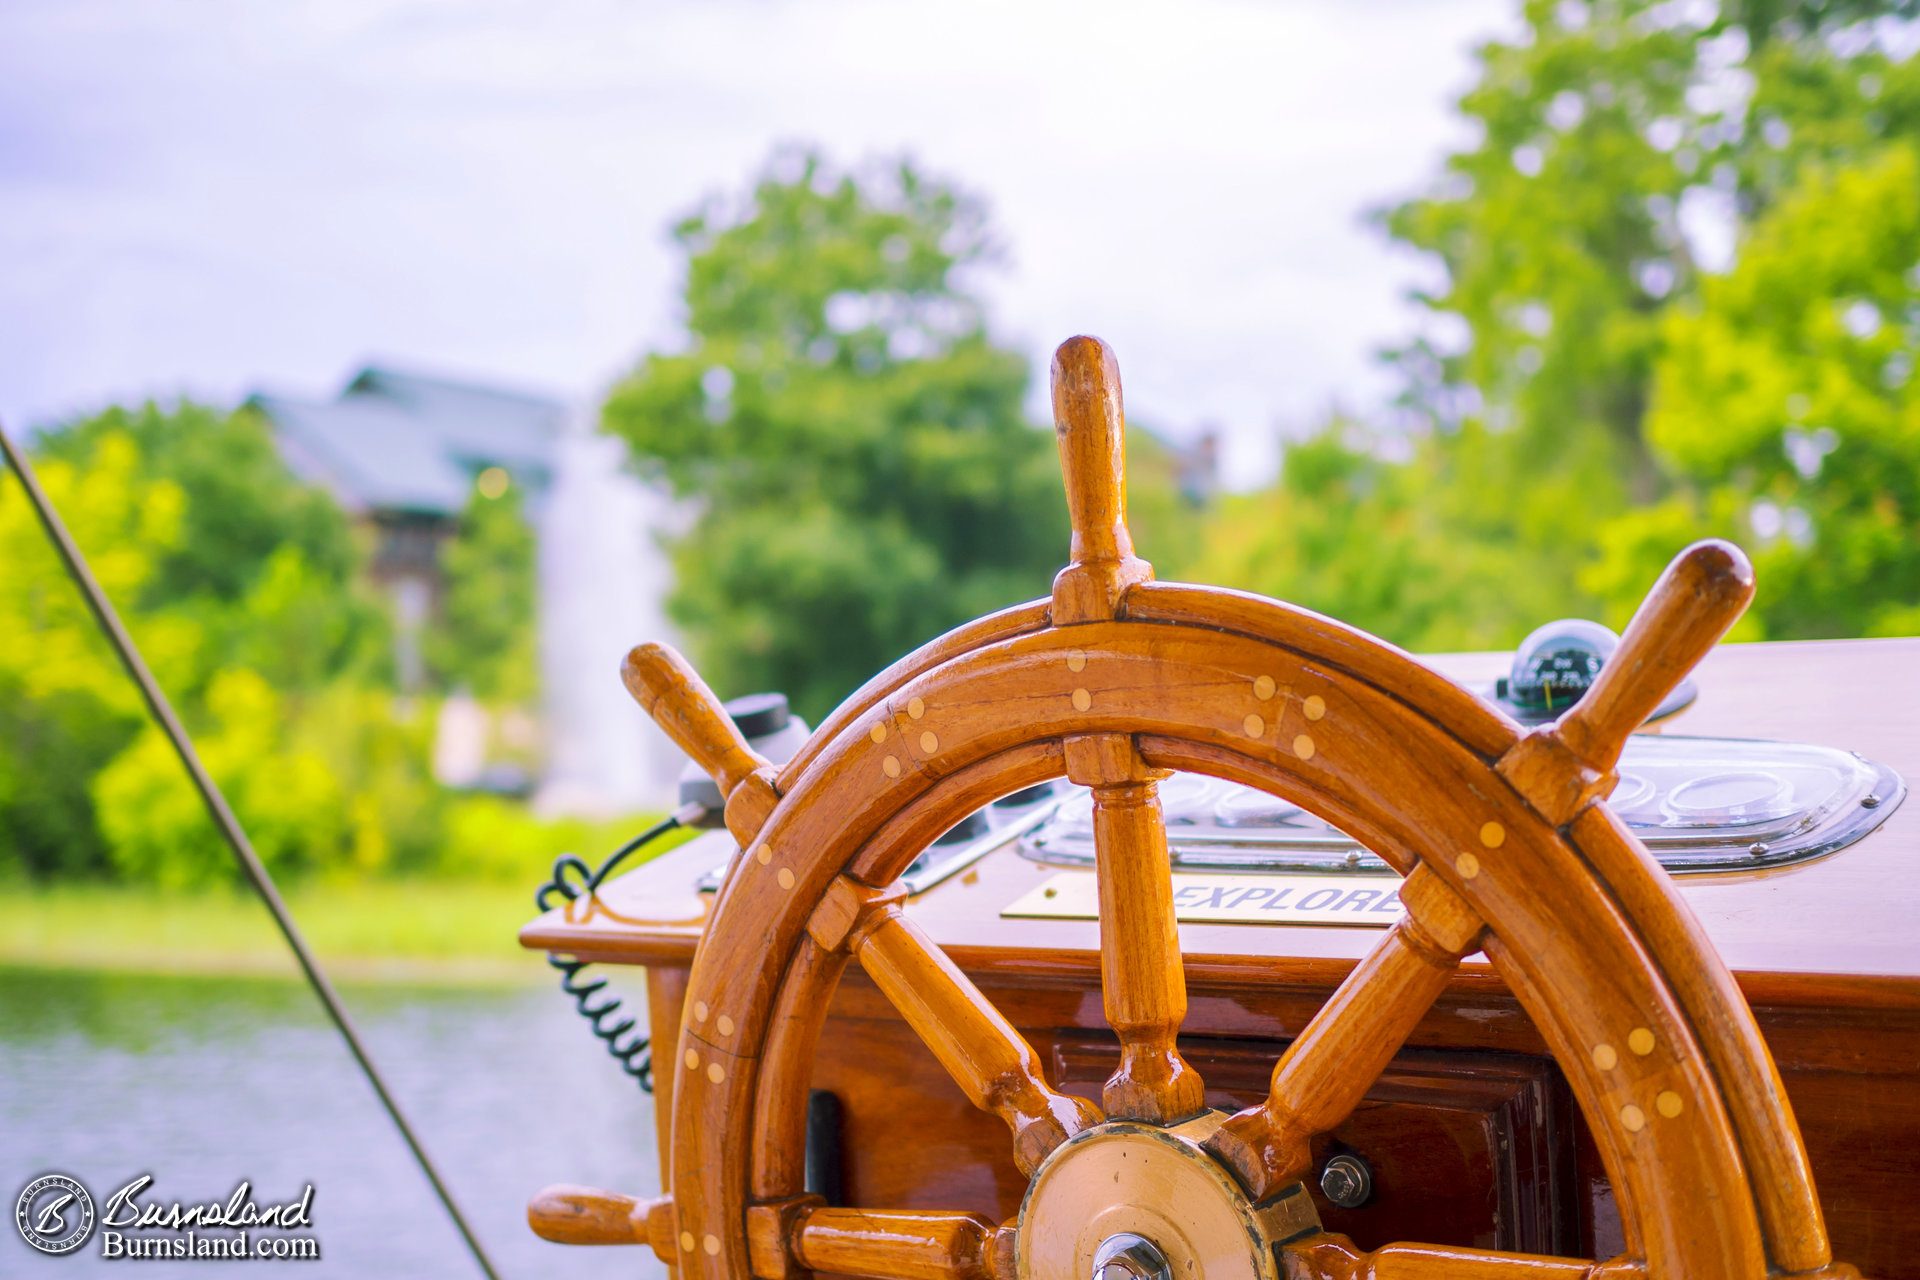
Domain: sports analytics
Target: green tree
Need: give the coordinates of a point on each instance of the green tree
(242, 505)
(251, 615)
(1168, 521)
(1786, 409)
(65, 708)
(265, 564)
(1615, 140)
(1299, 533)
(864, 474)
(483, 638)
(332, 783)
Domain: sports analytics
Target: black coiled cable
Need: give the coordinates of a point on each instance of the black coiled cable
(632, 1052)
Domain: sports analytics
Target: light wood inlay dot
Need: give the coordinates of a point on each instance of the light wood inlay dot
(1263, 687)
(1632, 1118)
(1493, 835)
(1076, 662)
(1605, 1057)
(716, 1073)
(1082, 700)
(1640, 1040)
(693, 1060)
(1254, 726)
(1303, 747)
(785, 877)
(928, 742)
(1668, 1103)
(878, 733)
(726, 1025)
(712, 1245)
(699, 1010)
(687, 1241)
(916, 708)
(891, 766)
(1314, 707)
(1467, 865)
(763, 855)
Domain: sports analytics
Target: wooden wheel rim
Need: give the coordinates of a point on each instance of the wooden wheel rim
(1656, 1043)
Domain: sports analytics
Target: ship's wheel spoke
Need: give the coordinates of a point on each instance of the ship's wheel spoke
(986, 1057)
(1327, 1071)
(1142, 983)
(887, 1244)
(1331, 1257)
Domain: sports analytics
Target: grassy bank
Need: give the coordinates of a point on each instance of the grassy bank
(403, 931)
(447, 928)
(385, 930)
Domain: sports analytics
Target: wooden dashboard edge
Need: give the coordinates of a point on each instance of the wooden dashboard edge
(1225, 974)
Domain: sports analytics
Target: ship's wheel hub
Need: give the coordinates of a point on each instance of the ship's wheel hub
(1131, 1201)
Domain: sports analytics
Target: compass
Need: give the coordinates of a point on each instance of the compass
(1557, 664)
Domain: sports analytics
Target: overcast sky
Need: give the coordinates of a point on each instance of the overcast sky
(217, 196)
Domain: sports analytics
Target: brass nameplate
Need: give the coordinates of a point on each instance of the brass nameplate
(1369, 901)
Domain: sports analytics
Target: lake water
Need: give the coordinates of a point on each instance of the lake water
(202, 1082)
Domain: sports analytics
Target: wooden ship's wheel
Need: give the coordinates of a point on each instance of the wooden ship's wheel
(1504, 838)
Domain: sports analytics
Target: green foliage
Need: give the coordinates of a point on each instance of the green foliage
(1587, 397)
(1169, 525)
(865, 476)
(1787, 407)
(1299, 533)
(331, 784)
(68, 707)
(241, 505)
(50, 749)
(490, 839)
(251, 619)
(483, 639)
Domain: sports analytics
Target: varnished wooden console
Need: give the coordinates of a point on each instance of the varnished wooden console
(1472, 1136)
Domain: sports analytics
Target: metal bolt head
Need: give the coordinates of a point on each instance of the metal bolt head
(1129, 1257)
(1347, 1181)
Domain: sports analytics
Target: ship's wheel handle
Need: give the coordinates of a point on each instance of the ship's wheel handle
(668, 688)
(1090, 427)
(567, 1214)
(1563, 766)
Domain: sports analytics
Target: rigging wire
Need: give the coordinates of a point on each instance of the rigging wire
(229, 825)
